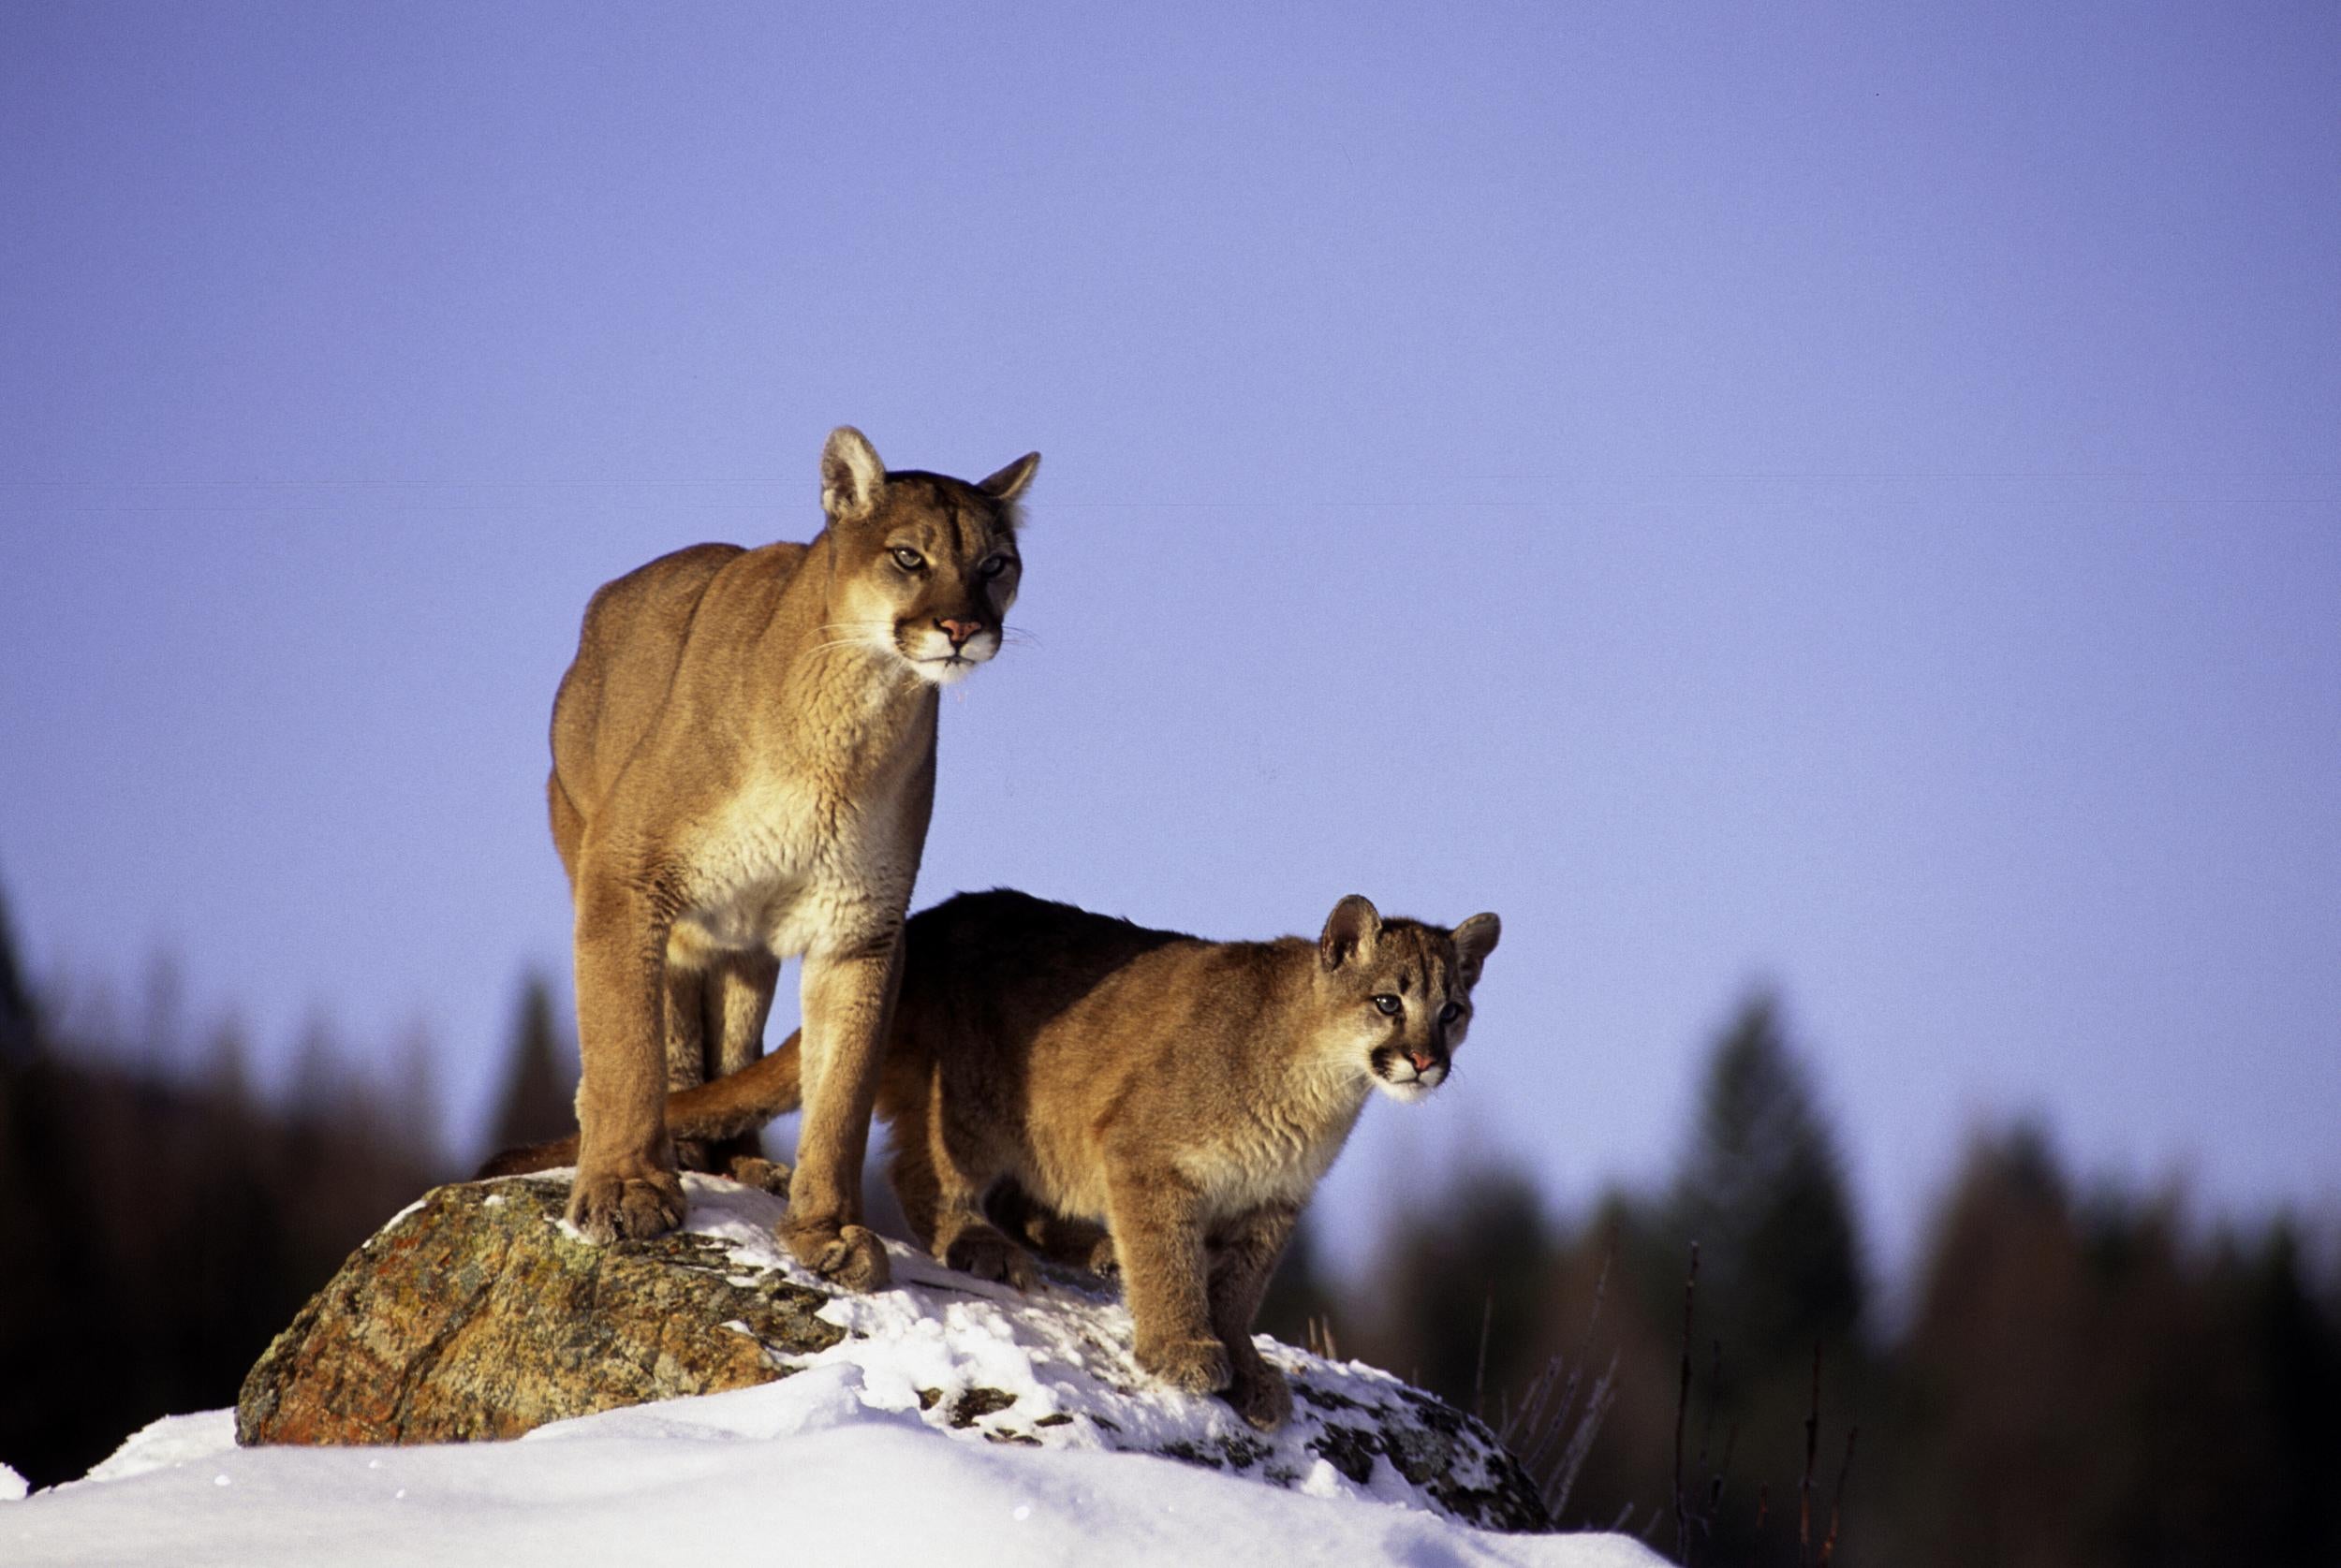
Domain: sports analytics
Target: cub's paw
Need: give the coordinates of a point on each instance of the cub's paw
(848, 1255)
(1198, 1366)
(754, 1170)
(608, 1206)
(989, 1255)
(1261, 1395)
(1074, 1243)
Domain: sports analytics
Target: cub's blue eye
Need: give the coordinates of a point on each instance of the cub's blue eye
(1388, 1004)
(993, 567)
(908, 559)
(1450, 1013)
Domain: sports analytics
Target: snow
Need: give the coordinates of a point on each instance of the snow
(844, 1462)
(798, 1464)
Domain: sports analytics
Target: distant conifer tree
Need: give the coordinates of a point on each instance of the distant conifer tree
(414, 1096)
(1762, 1191)
(20, 1026)
(538, 1085)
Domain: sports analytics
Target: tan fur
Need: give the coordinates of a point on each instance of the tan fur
(744, 766)
(1184, 1094)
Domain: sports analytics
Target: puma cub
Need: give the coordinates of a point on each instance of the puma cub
(1188, 1094)
(742, 769)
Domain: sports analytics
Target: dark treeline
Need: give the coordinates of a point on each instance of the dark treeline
(2079, 1375)
(163, 1219)
(2082, 1377)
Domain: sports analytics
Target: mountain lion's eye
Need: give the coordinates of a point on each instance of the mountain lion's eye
(908, 559)
(1388, 1004)
(1450, 1013)
(993, 567)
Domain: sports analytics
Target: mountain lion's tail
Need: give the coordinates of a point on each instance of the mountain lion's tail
(740, 1103)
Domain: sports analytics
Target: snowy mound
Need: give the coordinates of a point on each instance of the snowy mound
(944, 1421)
(478, 1313)
(981, 1362)
(797, 1471)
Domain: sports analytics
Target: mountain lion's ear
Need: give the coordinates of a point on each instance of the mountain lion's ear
(1475, 939)
(1352, 925)
(853, 480)
(1009, 482)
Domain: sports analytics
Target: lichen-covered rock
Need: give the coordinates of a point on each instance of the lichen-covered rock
(478, 1315)
(475, 1314)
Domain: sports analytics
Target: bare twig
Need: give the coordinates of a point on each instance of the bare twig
(1600, 1294)
(1682, 1409)
(1716, 1478)
(1552, 1428)
(1828, 1544)
(1551, 1415)
(1581, 1440)
(1480, 1376)
(1714, 1380)
(1804, 1490)
(1522, 1420)
(1705, 1517)
(1319, 1331)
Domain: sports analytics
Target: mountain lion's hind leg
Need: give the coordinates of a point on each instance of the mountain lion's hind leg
(1047, 1234)
(964, 1238)
(737, 999)
(687, 986)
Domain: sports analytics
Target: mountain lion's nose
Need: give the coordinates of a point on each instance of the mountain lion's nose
(1422, 1059)
(959, 631)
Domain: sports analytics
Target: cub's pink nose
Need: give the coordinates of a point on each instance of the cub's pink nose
(1422, 1060)
(960, 631)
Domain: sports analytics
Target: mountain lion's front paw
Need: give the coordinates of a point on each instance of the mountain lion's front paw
(848, 1255)
(1198, 1366)
(609, 1205)
(1261, 1395)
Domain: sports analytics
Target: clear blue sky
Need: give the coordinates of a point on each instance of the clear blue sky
(1844, 497)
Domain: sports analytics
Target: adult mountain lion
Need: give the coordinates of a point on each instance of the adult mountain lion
(1186, 1094)
(742, 769)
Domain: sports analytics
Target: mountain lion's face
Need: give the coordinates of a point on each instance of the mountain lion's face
(929, 564)
(1406, 987)
(935, 569)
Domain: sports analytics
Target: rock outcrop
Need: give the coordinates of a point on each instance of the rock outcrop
(478, 1313)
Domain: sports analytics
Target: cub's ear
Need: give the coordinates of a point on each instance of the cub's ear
(1009, 482)
(1475, 939)
(853, 480)
(1353, 925)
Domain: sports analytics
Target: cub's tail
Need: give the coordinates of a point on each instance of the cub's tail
(739, 1102)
